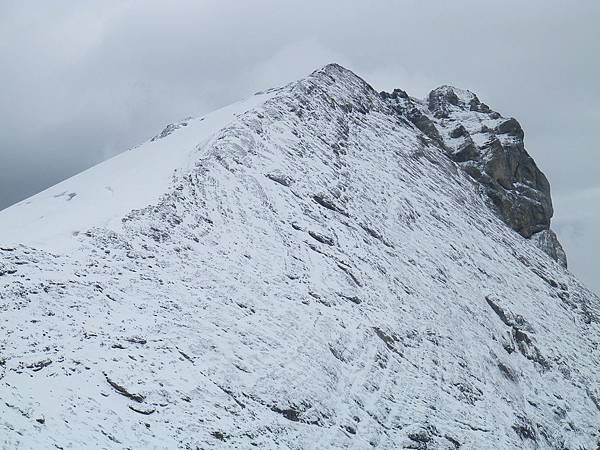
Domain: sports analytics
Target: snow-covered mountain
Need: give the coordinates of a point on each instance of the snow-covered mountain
(318, 266)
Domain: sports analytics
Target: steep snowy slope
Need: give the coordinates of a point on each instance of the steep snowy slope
(317, 273)
(102, 195)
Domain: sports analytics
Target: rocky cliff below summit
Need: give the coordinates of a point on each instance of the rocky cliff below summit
(490, 148)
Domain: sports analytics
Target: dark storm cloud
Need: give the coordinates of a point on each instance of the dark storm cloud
(83, 80)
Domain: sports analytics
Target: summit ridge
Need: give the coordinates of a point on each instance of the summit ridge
(318, 266)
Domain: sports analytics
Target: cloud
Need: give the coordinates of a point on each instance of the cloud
(577, 225)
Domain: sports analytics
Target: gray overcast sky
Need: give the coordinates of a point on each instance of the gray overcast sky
(83, 80)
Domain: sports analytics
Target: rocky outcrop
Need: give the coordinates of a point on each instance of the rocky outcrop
(490, 148)
(547, 241)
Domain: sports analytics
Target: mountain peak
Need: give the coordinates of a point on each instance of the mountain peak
(342, 86)
(337, 70)
(318, 266)
(453, 94)
(443, 98)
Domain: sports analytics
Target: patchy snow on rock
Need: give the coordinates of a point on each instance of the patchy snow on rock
(306, 270)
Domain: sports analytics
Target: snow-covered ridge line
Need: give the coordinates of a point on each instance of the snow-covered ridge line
(469, 131)
(103, 194)
(320, 272)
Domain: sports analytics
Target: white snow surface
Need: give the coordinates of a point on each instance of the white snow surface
(102, 195)
(315, 274)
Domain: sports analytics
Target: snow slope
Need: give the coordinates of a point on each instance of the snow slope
(102, 195)
(316, 274)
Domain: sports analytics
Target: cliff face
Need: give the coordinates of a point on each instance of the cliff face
(490, 148)
(319, 266)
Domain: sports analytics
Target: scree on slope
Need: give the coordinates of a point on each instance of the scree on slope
(318, 266)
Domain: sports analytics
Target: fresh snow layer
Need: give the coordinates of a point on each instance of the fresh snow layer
(317, 276)
(102, 195)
